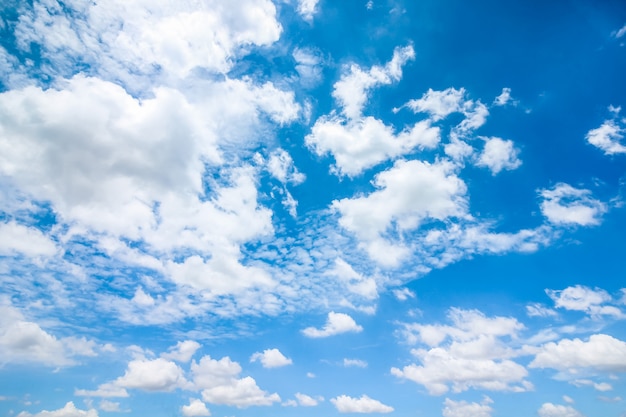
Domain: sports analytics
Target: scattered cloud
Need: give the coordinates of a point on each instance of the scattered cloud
(337, 323)
(403, 294)
(195, 408)
(581, 298)
(553, 410)
(307, 9)
(504, 98)
(152, 375)
(307, 401)
(271, 358)
(608, 137)
(183, 351)
(566, 205)
(69, 410)
(364, 404)
(499, 154)
(358, 363)
(619, 33)
(465, 409)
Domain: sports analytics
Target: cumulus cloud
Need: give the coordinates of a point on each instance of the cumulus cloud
(351, 91)
(307, 9)
(364, 404)
(195, 408)
(336, 323)
(281, 167)
(69, 410)
(470, 353)
(499, 154)
(152, 375)
(503, 98)
(408, 194)
(566, 205)
(183, 351)
(19, 239)
(554, 410)
(403, 294)
(465, 409)
(601, 353)
(608, 138)
(220, 384)
(356, 283)
(271, 358)
(581, 298)
(307, 401)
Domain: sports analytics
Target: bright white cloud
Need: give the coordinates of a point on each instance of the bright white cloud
(364, 404)
(538, 310)
(69, 410)
(366, 142)
(608, 138)
(600, 352)
(566, 205)
(503, 98)
(307, 9)
(499, 154)
(602, 386)
(355, 283)
(471, 353)
(581, 298)
(106, 390)
(16, 238)
(351, 91)
(620, 32)
(281, 167)
(195, 408)
(306, 401)
(403, 294)
(183, 351)
(152, 375)
(408, 194)
(220, 384)
(465, 409)
(358, 363)
(336, 323)
(554, 410)
(439, 104)
(271, 358)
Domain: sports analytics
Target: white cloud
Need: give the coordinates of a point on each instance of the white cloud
(106, 390)
(69, 410)
(307, 8)
(220, 384)
(553, 410)
(620, 32)
(354, 363)
(183, 351)
(109, 406)
(408, 194)
(465, 409)
(271, 358)
(337, 323)
(351, 91)
(601, 386)
(195, 408)
(499, 154)
(307, 401)
(471, 353)
(608, 138)
(503, 98)
(566, 205)
(439, 104)
(152, 375)
(16, 238)
(356, 283)
(23, 341)
(281, 167)
(364, 404)
(365, 142)
(129, 41)
(309, 66)
(538, 310)
(601, 352)
(403, 294)
(581, 298)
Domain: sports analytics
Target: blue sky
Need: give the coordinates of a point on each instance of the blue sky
(305, 207)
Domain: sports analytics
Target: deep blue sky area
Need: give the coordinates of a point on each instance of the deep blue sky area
(306, 207)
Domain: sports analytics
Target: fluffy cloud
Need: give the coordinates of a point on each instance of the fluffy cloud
(337, 323)
(470, 353)
(608, 138)
(356, 283)
(195, 408)
(351, 91)
(553, 410)
(309, 66)
(121, 40)
(503, 98)
(408, 194)
(307, 8)
(23, 341)
(219, 382)
(152, 375)
(566, 205)
(465, 409)
(581, 298)
(499, 154)
(307, 401)
(271, 358)
(183, 351)
(601, 352)
(354, 362)
(364, 404)
(69, 410)
(16, 238)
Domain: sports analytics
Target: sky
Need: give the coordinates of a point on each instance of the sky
(312, 208)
